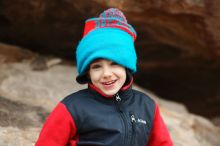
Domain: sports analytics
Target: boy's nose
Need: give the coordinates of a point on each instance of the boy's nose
(107, 72)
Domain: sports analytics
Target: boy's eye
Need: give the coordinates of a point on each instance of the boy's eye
(95, 66)
(113, 63)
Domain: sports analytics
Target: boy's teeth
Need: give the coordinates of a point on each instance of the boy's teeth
(107, 83)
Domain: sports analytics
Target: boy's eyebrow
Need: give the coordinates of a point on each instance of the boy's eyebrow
(95, 61)
(98, 60)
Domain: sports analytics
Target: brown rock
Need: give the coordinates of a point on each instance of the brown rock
(188, 26)
(10, 53)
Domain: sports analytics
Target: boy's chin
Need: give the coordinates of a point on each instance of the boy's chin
(110, 92)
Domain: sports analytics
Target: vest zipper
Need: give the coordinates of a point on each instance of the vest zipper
(123, 117)
(117, 97)
(133, 122)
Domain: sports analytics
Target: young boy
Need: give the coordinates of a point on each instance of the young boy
(109, 112)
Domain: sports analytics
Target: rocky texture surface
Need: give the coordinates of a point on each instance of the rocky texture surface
(167, 29)
(11, 136)
(9, 53)
(27, 96)
(178, 42)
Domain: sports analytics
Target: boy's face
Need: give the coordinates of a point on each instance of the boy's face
(108, 76)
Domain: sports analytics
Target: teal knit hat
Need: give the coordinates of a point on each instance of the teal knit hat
(109, 37)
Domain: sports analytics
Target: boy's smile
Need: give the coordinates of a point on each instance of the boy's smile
(108, 76)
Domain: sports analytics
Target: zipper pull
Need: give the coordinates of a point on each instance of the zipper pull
(133, 120)
(133, 123)
(117, 97)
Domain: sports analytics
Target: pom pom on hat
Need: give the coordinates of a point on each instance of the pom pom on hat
(109, 37)
(110, 18)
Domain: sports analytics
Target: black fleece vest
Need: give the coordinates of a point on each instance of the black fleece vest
(124, 120)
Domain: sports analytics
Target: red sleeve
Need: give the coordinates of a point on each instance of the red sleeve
(159, 134)
(58, 129)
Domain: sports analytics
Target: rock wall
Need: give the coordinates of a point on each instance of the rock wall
(178, 28)
(177, 45)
